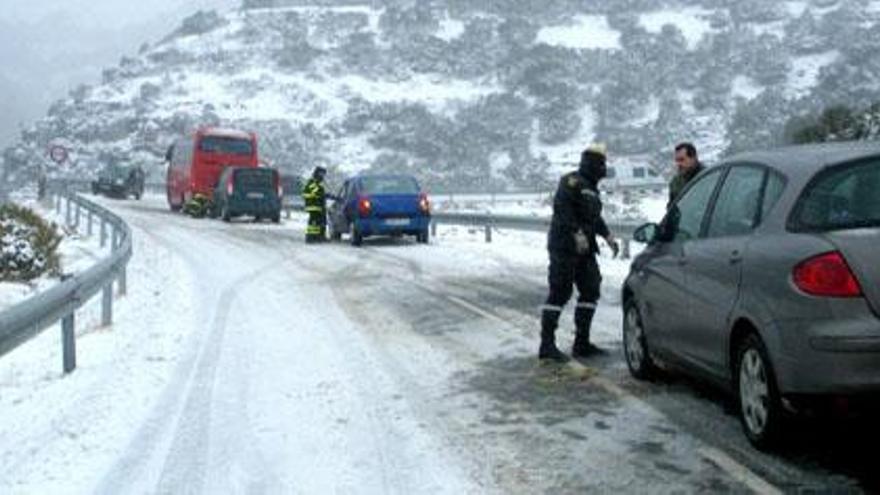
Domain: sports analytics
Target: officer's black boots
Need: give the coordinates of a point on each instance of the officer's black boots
(548, 350)
(582, 347)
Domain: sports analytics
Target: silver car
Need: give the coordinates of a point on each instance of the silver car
(764, 277)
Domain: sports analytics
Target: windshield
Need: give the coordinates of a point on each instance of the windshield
(255, 177)
(115, 172)
(226, 146)
(846, 197)
(390, 185)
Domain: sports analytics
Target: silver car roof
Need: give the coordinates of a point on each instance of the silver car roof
(805, 160)
(799, 164)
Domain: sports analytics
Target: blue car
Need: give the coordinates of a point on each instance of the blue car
(380, 205)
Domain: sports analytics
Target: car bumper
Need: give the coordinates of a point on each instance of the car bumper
(393, 226)
(833, 356)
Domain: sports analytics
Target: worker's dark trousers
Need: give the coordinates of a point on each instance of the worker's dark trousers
(566, 271)
(316, 230)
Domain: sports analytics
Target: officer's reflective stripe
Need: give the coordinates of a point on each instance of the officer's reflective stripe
(587, 305)
(314, 209)
(589, 192)
(551, 308)
(313, 230)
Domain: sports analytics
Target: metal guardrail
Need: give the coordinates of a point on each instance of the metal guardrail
(29, 318)
(489, 222)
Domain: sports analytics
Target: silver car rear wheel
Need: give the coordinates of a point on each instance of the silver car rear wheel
(761, 411)
(753, 391)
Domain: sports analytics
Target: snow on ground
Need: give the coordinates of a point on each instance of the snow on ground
(428, 90)
(51, 421)
(312, 12)
(796, 9)
(649, 115)
(450, 29)
(746, 87)
(566, 155)
(263, 95)
(626, 207)
(691, 21)
(585, 32)
(775, 28)
(805, 71)
(77, 253)
(270, 366)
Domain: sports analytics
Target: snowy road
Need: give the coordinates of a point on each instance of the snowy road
(399, 368)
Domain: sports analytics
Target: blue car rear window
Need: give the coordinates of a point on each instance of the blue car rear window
(390, 185)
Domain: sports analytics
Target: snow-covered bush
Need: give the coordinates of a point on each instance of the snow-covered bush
(28, 245)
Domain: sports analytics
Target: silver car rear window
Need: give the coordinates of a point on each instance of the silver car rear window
(843, 197)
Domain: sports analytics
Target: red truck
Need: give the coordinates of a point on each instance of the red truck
(196, 162)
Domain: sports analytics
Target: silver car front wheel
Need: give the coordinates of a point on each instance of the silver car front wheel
(638, 358)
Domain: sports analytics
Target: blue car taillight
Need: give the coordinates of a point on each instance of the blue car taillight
(365, 206)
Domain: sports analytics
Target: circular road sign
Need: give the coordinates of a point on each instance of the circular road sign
(58, 154)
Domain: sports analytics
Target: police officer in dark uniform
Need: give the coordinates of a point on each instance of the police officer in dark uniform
(315, 198)
(577, 220)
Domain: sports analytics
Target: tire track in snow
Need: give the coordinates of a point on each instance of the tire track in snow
(170, 428)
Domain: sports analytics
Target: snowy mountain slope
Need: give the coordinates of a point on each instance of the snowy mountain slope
(466, 94)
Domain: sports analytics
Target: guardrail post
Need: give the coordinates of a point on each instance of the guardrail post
(107, 305)
(122, 281)
(103, 232)
(58, 203)
(433, 228)
(77, 216)
(489, 232)
(68, 343)
(287, 212)
(89, 223)
(67, 213)
(625, 249)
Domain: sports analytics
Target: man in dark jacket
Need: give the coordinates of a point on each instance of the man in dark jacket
(577, 220)
(315, 198)
(688, 166)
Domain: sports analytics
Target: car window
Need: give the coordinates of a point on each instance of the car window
(390, 185)
(687, 214)
(843, 197)
(772, 192)
(226, 145)
(736, 209)
(254, 178)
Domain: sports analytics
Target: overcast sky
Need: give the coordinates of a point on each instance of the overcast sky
(48, 47)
